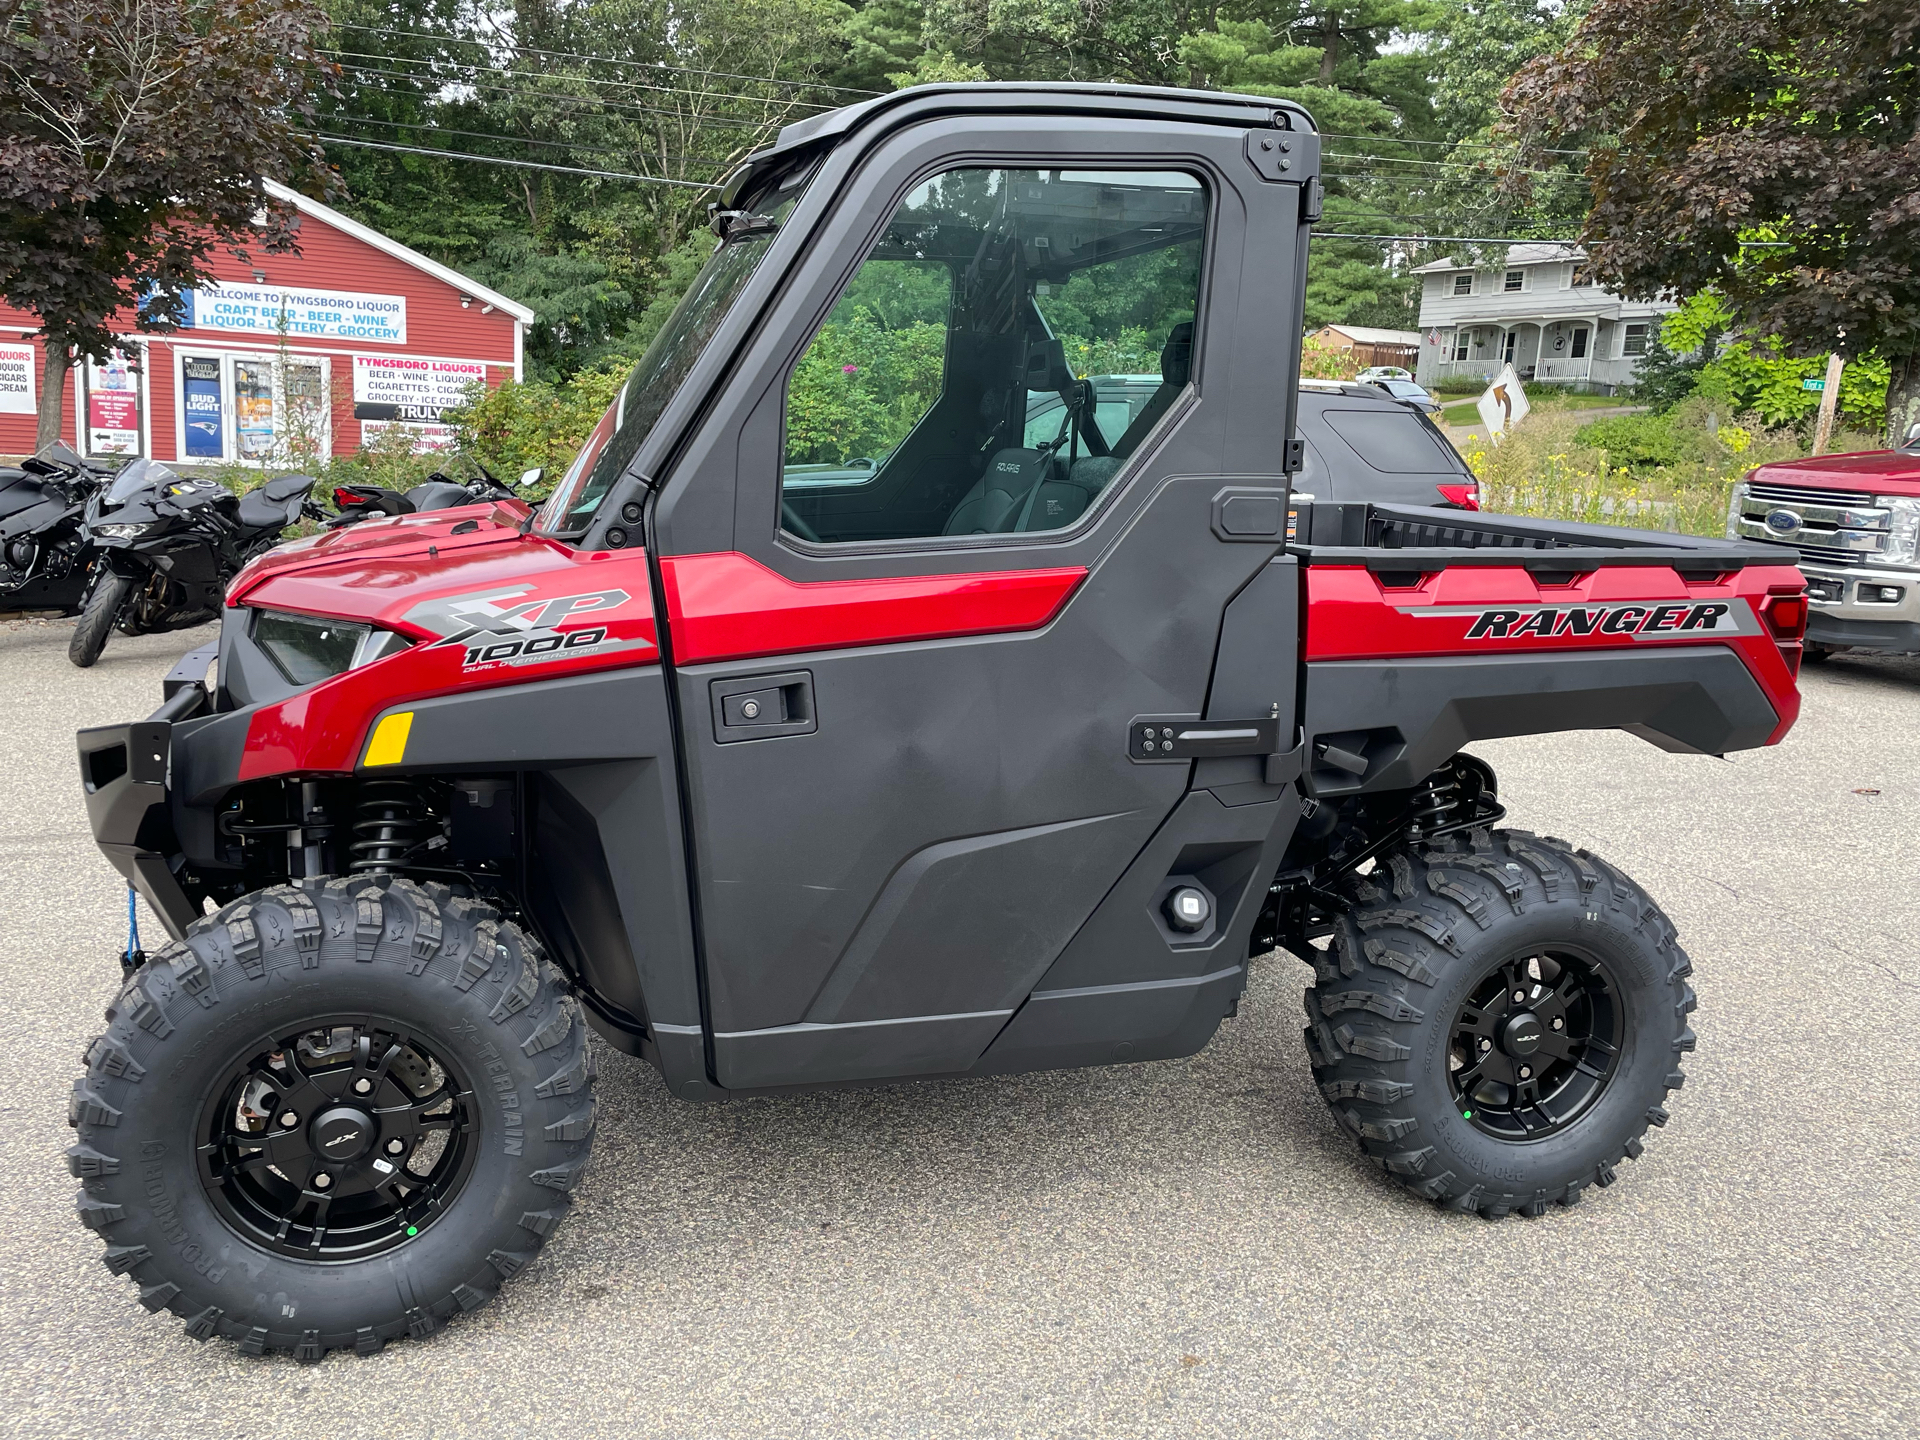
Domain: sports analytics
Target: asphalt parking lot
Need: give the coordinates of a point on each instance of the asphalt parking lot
(1177, 1249)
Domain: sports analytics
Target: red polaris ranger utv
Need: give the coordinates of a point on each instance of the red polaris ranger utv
(849, 713)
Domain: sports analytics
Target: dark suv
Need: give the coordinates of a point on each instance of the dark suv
(1360, 443)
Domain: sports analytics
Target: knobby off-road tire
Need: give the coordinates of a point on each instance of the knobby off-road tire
(304, 998)
(1423, 980)
(95, 624)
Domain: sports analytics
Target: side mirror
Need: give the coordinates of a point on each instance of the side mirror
(1912, 442)
(531, 477)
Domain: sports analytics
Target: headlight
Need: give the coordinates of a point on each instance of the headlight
(123, 532)
(308, 649)
(1733, 510)
(1903, 528)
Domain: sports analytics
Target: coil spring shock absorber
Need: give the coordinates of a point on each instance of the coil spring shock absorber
(389, 820)
(1435, 800)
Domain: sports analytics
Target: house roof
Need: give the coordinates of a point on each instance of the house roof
(1531, 254)
(1368, 335)
(386, 244)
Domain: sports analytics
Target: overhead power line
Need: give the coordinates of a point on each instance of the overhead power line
(567, 145)
(518, 164)
(1445, 144)
(561, 98)
(575, 79)
(608, 59)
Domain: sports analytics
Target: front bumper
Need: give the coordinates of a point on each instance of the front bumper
(1838, 616)
(125, 771)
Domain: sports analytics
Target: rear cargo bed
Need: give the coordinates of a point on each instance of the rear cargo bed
(1425, 629)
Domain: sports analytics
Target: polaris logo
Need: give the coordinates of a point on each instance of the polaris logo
(1639, 620)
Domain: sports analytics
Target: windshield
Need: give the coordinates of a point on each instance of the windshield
(666, 363)
(135, 478)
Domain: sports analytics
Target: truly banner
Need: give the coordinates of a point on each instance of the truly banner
(403, 387)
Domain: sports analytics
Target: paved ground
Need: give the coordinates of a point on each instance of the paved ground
(1182, 1249)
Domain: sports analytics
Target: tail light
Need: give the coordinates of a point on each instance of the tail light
(1464, 497)
(344, 499)
(1786, 617)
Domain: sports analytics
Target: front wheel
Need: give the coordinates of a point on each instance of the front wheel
(1499, 1019)
(95, 624)
(337, 1114)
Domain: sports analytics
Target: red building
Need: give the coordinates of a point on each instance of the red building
(292, 356)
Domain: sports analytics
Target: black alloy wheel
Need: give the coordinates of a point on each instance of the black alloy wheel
(346, 1139)
(1535, 1045)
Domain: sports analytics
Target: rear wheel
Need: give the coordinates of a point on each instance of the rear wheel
(1498, 1020)
(95, 624)
(339, 1113)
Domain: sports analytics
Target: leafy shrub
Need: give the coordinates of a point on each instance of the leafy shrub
(1637, 440)
(522, 424)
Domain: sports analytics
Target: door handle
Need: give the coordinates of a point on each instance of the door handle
(762, 707)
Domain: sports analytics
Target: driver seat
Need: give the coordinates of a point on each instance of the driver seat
(1176, 366)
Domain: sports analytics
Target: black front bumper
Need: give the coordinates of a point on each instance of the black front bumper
(124, 770)
(1895, 636)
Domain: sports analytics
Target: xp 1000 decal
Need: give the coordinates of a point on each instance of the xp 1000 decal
(1638, 620)
(498, 627)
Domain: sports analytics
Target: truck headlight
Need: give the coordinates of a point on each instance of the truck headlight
(1733, 510)
(1903, 529)
(310, 648)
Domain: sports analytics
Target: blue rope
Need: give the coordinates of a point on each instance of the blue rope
(133, 927)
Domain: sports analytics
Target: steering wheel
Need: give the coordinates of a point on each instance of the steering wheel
(791, 522)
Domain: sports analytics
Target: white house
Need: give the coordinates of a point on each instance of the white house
(1539, 310)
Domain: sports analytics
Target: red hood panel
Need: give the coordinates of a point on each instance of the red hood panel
(509, 610)
(384, 541)
(1880, 472)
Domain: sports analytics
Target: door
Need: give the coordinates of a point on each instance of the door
(959, 569)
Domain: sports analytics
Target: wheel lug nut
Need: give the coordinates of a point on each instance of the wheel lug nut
(1557, 1023)
(1519, 996)
(1526, 1072)
(1486, 1044)
(362, 1087)
(322, 1181)
(289, 1119)
(395, 1146)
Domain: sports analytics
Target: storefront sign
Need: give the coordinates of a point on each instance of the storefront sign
(113, 406)
(400, 387)
(205, 418)
(422, 437)
(297, 313)
(16, 379)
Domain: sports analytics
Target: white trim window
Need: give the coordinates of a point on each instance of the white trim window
(1461, 339)
(252, 407)
(1633, 338)
(1463, 283)
(1514, 280)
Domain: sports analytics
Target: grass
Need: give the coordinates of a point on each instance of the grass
(1541, 470)
(1554, 399)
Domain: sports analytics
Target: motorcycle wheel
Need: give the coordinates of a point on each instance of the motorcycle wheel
(95, 624)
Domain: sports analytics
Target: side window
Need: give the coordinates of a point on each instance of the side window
(871, 374)
(1012, 338)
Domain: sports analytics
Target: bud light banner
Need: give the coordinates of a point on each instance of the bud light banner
(297, 313)
(206, 420)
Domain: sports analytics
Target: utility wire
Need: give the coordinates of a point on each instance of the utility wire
(1445, 144)
(607, 59)
(519, 164)
(577, 79)
(525, 140)
(574, 101)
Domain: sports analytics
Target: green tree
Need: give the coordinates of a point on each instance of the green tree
(136, 135)
(1795, 125)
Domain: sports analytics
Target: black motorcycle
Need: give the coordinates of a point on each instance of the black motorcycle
(169, 546)
(437, 492)
(44, 557)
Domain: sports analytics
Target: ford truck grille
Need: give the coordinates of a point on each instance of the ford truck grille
(1827, 527)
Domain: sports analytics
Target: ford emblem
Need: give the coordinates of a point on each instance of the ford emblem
(1783, 522)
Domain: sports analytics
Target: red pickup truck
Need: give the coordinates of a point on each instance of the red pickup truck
(1852, 522)
(1007, 752)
